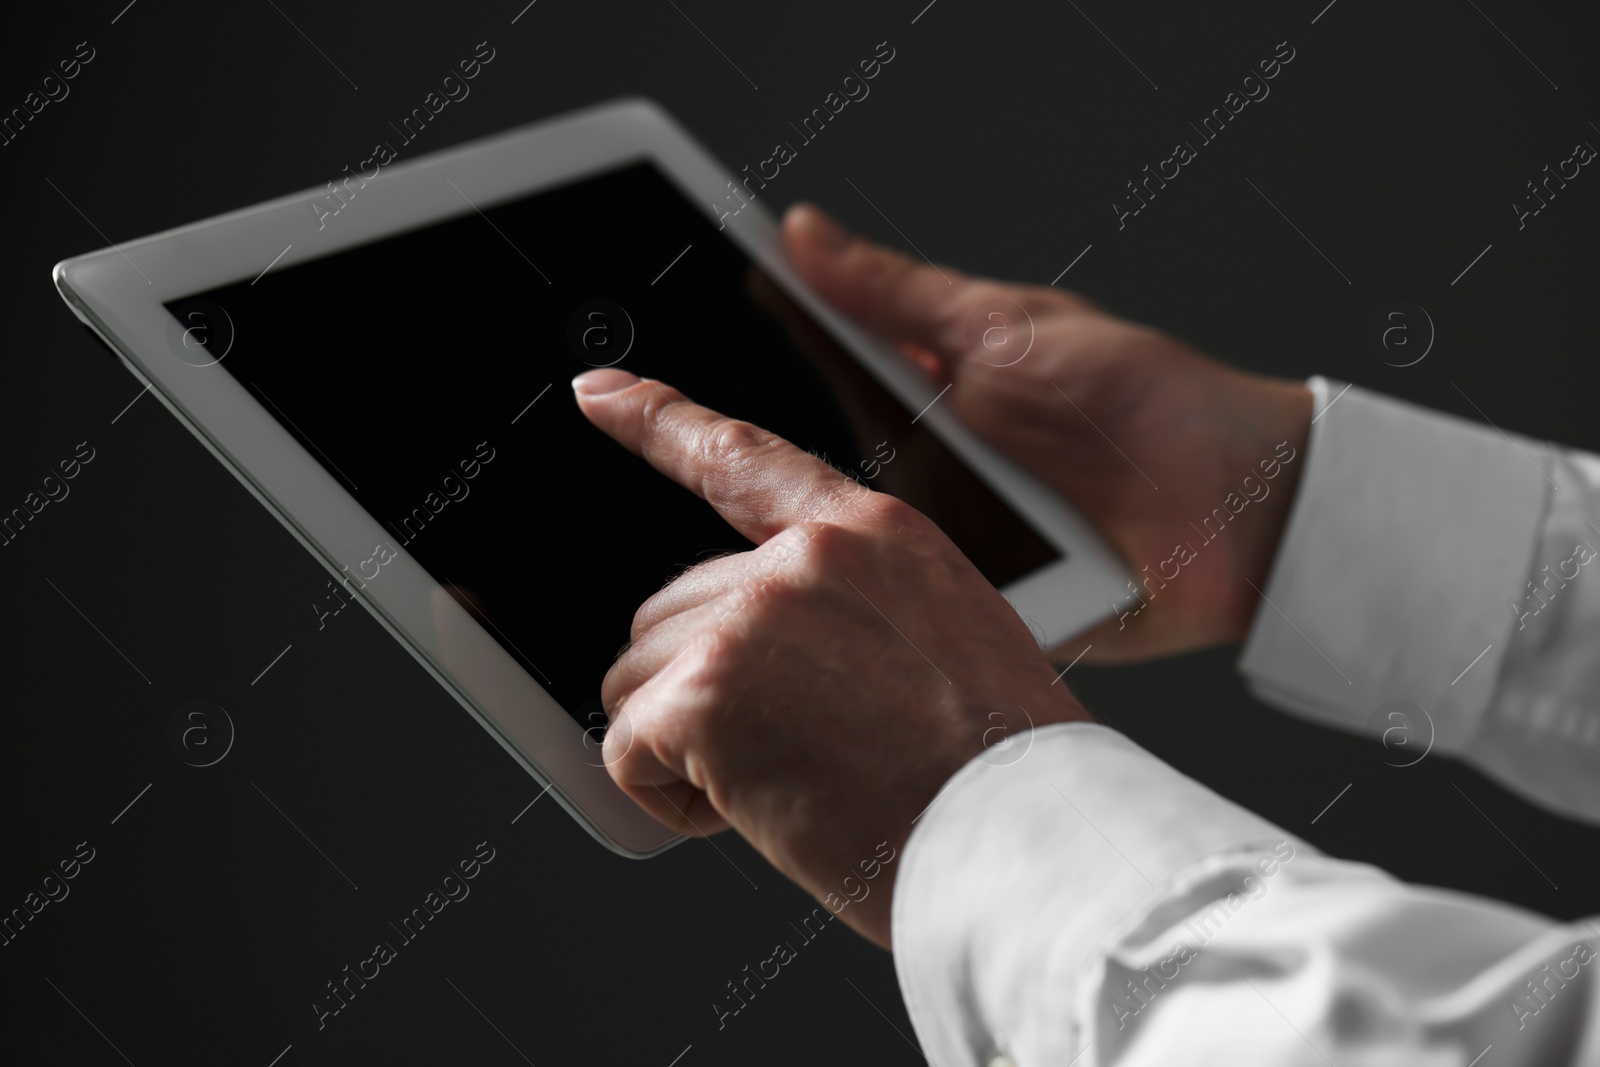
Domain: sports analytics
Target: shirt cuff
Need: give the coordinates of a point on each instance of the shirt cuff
(1541, 735)
(1017, 876)
(1411, 535)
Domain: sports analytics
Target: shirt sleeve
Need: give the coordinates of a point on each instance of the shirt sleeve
(1086, 905)
(1434, 587)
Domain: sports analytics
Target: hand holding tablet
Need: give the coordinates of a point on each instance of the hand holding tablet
(1186, 465)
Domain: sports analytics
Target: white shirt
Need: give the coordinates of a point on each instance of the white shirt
(1088, 905)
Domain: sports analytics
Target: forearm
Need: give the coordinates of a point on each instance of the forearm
(1090, 905)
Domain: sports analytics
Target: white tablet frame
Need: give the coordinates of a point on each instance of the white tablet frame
(119, 293)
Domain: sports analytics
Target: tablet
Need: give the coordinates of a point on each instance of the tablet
(384, 363)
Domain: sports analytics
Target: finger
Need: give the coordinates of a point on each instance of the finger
(644, 757)
(883, 290)
(906, 301)
(757, 481)
(674, 802)
(707, 597)
(653, 652)
(690, 588)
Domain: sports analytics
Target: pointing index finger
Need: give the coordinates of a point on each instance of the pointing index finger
(759, 482)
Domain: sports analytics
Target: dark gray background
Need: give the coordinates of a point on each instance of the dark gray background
(996, 140)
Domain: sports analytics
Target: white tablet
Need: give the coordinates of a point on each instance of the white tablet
(384, 363)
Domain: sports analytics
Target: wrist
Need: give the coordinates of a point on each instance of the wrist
(1277, 442)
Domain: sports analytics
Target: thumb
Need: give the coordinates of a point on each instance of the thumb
(888, 293)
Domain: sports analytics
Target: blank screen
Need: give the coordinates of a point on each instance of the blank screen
(428, 372)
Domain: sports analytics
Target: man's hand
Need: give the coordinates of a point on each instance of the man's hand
(816, 692)
(1144, 435)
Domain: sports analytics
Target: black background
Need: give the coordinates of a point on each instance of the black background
(997, 138)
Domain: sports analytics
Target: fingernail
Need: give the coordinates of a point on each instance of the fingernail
(601, 382)
(821, 229)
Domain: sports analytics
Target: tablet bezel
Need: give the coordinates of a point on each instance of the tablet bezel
(120, 294)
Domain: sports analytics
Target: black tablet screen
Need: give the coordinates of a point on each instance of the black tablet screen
(429, 373)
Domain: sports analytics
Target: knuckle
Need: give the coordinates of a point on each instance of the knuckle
(889, 512)
(1044, 300)
(717, 658)
(828, 546)
(652, 406)
(765, 596)
(659, 397)
(657, 405)
(735, 442)
(771, 599)
(760, 592)
(643, 618)
(712, 670)
(692, 584)
(827, 551)
(613, 688)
